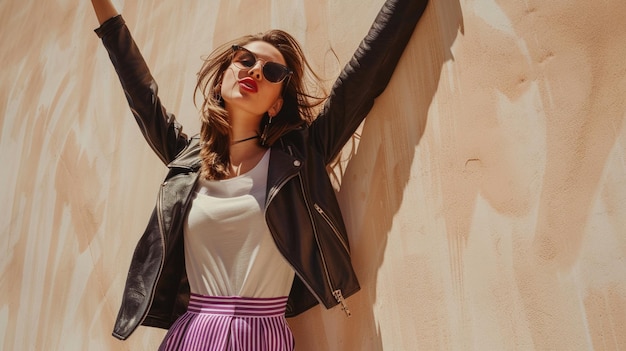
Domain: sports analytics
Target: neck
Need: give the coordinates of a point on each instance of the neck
(243, 125)
(244, 156)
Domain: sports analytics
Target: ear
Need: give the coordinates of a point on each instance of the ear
(275, 108)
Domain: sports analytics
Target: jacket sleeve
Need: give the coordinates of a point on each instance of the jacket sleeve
(162, 132)
(365, 76)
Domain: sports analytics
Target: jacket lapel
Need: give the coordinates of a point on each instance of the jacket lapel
(283, 166)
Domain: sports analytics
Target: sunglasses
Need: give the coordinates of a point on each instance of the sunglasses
(272, 71)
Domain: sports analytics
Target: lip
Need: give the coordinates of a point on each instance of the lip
(248, 84)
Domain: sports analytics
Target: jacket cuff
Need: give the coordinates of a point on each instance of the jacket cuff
(109, 25)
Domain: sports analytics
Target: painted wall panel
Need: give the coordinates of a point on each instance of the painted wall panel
(485, 194)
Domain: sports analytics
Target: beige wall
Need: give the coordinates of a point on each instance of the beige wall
(486, 199)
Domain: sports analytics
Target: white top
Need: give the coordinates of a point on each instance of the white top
(229, 250)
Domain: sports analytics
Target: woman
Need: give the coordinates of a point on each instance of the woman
(247, 230)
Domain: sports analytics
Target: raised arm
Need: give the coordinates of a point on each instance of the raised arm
(366, 75)
(160, 129)
(104, 10)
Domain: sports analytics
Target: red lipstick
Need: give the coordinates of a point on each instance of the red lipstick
(248, 84)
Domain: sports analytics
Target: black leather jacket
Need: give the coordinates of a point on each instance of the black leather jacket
(301, 209)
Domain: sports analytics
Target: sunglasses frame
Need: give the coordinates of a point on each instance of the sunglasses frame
(286, 70)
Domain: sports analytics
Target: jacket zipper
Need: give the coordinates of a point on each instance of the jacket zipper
(336, 292)
(344, 306)
(332, 226)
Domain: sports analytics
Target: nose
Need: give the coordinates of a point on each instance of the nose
(256, 71)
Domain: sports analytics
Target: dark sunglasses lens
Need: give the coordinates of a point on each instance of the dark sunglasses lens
(244, 59)
(274, 72)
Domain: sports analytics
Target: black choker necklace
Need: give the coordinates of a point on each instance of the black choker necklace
(246, 139)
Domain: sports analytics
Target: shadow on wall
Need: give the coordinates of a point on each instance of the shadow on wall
(375, 179)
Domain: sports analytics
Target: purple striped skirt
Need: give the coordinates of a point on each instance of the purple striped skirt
(214, 323)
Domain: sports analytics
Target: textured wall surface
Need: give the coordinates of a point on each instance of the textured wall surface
(485, 194)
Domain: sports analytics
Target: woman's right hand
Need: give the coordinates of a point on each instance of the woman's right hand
(104, 10)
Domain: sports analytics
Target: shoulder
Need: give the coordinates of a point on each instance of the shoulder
(295, 138)
(189, 157)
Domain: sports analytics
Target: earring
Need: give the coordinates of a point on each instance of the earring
(264, 134)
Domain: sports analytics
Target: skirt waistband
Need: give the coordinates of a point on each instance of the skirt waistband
(237, 306)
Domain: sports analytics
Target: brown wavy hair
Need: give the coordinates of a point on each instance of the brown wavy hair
(299, 105)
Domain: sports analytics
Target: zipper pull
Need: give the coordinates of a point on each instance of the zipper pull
(344, 305)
